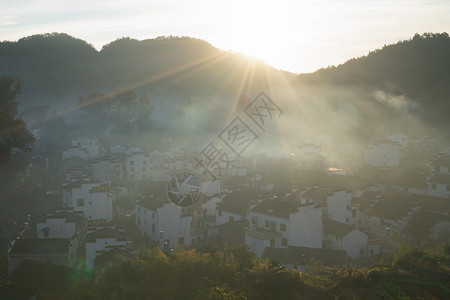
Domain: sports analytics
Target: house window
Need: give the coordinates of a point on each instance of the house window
(284, 242)
(230, 219)
(433, 186)
(283, 227)
(139, 221)
(447, 187)
(139, 209)
(354, 213)
(219, 213)
(46, 234)
(181, 241)
(346, 220)
(80, 202)
(255, 220)
(272, 243)
(266, 224)
(153, 215)
(145, 211)
(153, 228)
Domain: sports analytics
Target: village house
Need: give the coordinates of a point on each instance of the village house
(138, 166)
(62, 224)
(91, 198)
(336, 204)
(439, 185)
(107, 169)
(283, 223)
(427, 226)
(235, 205)
(440, 165)
(51, 250)
(103, 240)
(341, 236)
(163, 222)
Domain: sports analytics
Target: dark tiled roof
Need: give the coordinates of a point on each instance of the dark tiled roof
(77, 184)
(316, 194)
(367, 198)
(440, 178)
(235, 181)
(277, 208)
(105, 232)
(422, 222)
(437, 204)
(303, 255)
(238, 202)
(42, 275)
(349, 183)
(336, 228)
(40, 246)
(74, 185)
(395, 206)
(151, 203)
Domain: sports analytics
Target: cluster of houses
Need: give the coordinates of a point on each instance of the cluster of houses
(286, 203)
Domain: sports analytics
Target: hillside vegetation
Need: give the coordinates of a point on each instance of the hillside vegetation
(235, 273)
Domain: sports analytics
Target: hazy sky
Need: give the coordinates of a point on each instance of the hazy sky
(298, 36)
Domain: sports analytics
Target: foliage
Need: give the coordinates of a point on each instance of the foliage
(13, 130)
(228, 273)
(414, 258)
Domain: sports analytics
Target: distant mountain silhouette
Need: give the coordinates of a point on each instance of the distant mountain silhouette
(418, 68)
(402, 87)
(57, 67)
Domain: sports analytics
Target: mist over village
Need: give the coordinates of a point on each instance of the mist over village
(169, 168)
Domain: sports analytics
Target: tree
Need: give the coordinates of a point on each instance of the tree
(13, 130)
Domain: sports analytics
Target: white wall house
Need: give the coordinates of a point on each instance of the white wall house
(439, 185)
(74, 152)
(62, 225)
(103, 240)
(138, 166)
(163, 222)
(383, 155)
(56, 251)
(342, 236)
(440, 165)
(91, 145)
(91, 198)
(108, 170)
(335, 204)
(159, 173)
(275, 223)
